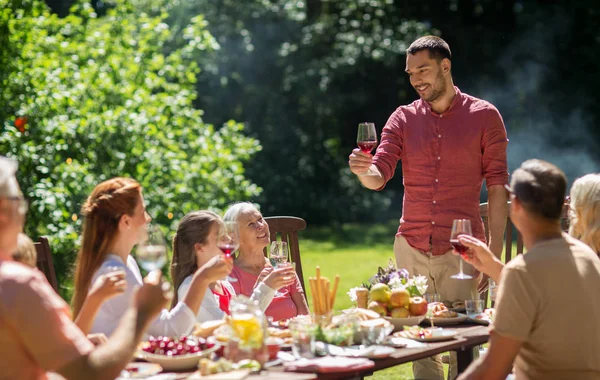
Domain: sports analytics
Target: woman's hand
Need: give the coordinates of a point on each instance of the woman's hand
(280, 277)
(108, 285)
(216, 268)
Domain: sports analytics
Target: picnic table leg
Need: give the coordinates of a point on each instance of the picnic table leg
(464, 357)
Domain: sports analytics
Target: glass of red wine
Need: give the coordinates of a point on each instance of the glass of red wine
(228, 241)
(460, 227)
(366, 140)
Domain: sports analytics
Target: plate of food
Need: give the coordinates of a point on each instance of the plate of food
(357, 351)
(457, 306)
(421, 334)
(441, 315)
(484, 318)
(284, 334)
(140, 370)
(175, 354)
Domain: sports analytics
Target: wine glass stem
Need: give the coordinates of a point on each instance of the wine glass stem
(460, 265)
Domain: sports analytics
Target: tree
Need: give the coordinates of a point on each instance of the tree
(102, 99)
(302, 76)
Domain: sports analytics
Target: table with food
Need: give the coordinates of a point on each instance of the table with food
(392, 323)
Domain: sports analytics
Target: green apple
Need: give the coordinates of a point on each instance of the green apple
(380, 293)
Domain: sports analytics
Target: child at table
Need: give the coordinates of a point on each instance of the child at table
(194, 244)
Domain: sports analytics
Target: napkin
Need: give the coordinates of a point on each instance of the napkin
(329, 364)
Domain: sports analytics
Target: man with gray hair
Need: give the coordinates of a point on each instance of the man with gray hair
(547, 308)
(36, 331)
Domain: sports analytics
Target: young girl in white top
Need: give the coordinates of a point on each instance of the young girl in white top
(115, 221)
(195, 244)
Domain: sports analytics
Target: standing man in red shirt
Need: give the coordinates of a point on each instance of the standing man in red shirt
(449, 142)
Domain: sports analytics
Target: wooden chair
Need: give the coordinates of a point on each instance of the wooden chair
(287, 227)
(508, 235)
(44, 261)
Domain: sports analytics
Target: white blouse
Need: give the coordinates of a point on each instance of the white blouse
(178, 321)
(210, 310)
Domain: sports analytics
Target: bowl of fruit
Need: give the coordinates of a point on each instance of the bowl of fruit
(175, 354)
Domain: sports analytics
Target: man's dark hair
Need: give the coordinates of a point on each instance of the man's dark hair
(541, 188)
(437, 47)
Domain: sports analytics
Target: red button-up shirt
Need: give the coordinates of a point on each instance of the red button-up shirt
(445, 158)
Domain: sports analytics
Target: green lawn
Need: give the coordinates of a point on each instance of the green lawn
(354, 252)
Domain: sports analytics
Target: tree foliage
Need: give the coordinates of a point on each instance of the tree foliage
(103, 99)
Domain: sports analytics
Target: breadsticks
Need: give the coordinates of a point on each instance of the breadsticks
(323, 296)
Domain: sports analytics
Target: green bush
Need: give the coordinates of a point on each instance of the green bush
(103, 99)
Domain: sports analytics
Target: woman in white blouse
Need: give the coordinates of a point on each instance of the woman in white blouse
(115, 221)
(194, 245)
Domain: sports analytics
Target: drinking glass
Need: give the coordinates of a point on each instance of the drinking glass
(493, 288)
(303, 338)
(228, 241)
(367, 140)
(279, 253)
(460, 227)
(474, 306)
(151, 253)
(432, 297)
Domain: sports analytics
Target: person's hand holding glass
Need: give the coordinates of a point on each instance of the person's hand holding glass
(361, 158)
(283, 273)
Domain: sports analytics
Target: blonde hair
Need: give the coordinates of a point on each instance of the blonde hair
(584, 213)
(26, 252)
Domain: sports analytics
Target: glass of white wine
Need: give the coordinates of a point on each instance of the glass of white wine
(279, 253)
(151, 253)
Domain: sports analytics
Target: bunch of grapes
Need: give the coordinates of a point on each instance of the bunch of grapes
(164, 345)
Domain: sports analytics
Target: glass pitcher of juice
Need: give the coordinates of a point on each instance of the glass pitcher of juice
(249, 327)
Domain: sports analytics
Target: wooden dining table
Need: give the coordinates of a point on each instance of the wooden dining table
(469, 336)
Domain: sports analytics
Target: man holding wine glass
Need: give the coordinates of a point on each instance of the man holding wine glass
(449, 142)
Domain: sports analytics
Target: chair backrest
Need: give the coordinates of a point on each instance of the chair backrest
(287, 227)
(44, 261)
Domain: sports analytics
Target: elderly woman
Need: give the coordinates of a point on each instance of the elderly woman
(584, 213)
(250, 265)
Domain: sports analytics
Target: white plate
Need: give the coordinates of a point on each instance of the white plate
(460, 318)
(140, 370)
(394, 342)
(410, 321)
(371, 352)
(440, 336)
(176, 363)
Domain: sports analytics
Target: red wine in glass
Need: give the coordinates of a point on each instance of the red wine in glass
(366, 139)
(227, 249)
(460, 227)
(228, 241)
(367, 146)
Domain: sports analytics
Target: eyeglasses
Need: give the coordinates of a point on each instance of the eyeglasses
(22, 204)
